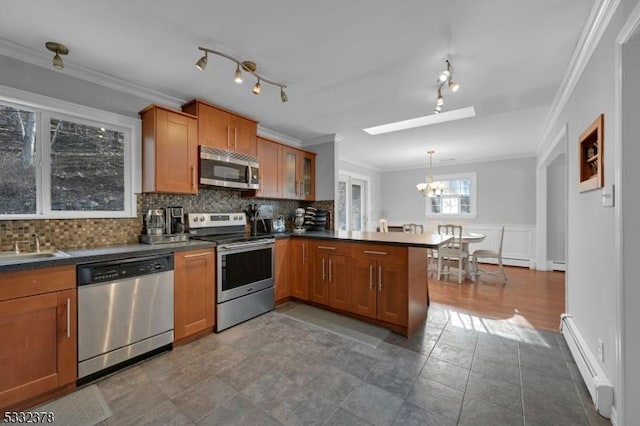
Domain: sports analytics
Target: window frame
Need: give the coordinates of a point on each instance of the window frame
(47, 108)
(473, 176)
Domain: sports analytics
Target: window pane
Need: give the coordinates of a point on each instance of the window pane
(356, 208)
(450, 205)
(342, 206)
(435, 204)
(17, 165)
(87, 167)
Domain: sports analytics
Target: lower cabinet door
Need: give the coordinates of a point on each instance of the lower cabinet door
(363, 287)
(319, 278)
(194, 292)
(282, 269)
(38, 349)
(299, 268)
(392, 291)
(340, 282)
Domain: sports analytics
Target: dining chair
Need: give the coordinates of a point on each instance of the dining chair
(490, 254)
(412, 228)
(452, 253)
(383, 225)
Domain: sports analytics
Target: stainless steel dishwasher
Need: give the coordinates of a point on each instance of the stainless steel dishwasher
(125, 311)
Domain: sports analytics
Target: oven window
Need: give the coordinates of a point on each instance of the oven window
(244, 268)
(220, 170)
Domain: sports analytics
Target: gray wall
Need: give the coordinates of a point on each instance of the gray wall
(556, 209)
(593, 291)
(506, 192)
(326, 173)
(375, 189)
(58, 85)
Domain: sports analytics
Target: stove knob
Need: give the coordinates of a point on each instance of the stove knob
(201, 218)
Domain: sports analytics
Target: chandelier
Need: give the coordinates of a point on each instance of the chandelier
(431, 188)
(249, 67)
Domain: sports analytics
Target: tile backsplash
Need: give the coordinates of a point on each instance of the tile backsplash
(85, 233)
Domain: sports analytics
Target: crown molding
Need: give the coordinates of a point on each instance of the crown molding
(599, 18)
(43, 59)
(279, 137)
(321, 139)
(457, 163)
(358, 163)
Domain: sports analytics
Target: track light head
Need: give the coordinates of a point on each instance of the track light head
(283, 95)
(58, 49)
(453, 86)
(437, 109)
(202, 62)
(257, 89)
(444, 76)
(237, 76)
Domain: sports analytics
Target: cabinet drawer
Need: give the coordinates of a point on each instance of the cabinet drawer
(331, 247)
(378, 251)
(36, 281)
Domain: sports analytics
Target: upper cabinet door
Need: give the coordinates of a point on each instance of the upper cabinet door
(307, 162)
(290, 187)
(214, 127)
(270, 157)
(170, 151)
(243, 137)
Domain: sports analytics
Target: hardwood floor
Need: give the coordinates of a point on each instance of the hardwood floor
(533, 298)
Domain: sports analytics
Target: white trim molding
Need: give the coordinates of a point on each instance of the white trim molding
(599, 19)
(279, 137)
(518, 246)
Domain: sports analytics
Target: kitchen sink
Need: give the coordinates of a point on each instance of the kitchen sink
(12, 257)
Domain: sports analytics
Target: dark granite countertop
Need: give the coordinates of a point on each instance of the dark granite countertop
(73, 257)
(427, 240)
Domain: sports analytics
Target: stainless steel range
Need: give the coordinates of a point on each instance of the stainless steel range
(244, 266)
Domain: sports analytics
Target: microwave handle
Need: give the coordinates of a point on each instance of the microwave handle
(249, 174)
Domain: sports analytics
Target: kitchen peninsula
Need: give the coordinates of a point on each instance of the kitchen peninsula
(377, 277)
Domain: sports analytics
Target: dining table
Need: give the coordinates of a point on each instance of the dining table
(467, 239)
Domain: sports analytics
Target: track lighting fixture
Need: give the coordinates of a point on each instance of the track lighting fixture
(58, 49)
(257, 88)
(446, 76)
(247, 66)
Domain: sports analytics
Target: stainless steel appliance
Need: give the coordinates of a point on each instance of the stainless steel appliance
(228, 169)
(244, 266)
(174, 220)
(154, 222)
(125, 312)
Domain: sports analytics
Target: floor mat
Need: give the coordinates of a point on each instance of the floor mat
(84, 407)
(350, 328)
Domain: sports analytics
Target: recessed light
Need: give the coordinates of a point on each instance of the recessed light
(456, 114)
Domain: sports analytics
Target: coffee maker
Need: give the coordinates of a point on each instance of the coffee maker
(174, 220)
(154, 222)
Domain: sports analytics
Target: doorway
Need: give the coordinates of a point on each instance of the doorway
(353, 204)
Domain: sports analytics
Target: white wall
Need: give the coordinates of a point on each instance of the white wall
(593, 289)
(375, 189)
(326, 171)
(556, 209)
(506, 192)
(630, 150)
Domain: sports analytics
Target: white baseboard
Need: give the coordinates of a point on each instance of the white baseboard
(525, 263)
(556, 266)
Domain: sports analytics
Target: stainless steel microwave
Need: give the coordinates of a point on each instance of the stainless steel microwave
(228, 169)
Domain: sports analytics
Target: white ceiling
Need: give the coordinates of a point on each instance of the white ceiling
(347, 64)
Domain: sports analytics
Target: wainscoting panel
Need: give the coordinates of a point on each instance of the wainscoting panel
(518, 247)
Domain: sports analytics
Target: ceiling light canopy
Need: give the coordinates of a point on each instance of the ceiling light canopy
(456, 114)
(58, 49)
(247, 66)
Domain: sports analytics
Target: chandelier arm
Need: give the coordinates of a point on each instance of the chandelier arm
(239, 63)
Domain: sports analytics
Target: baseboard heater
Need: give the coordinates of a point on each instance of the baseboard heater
(598, 384)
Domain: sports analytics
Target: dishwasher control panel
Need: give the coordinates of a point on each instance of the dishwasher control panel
(99, 272)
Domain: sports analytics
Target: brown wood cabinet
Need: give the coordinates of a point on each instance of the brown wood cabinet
(282, 269)
(218, 128)
(270, 158)
(194, 292)
(330, 274)
(169, 151)
(38, 353)
(298, 174)
(299, 268)
(379, 282)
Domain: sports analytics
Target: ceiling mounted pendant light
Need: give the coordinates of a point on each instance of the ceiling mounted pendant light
(430, 188)
(445, 77)
(247, 66)
(58, 49)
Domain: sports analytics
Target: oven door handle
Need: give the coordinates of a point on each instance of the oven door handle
(233, 247)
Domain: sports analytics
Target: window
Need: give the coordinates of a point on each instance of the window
(60, 160)
(352, 203)
(458, 198)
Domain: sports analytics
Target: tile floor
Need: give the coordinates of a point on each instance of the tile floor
(459, 369)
